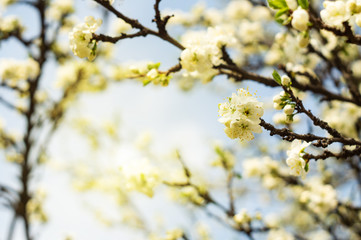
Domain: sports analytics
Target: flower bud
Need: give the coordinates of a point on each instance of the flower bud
(302, 41)
(285, 80)
(288, 110)
(277, 99)
(277, 106)
(300, 19)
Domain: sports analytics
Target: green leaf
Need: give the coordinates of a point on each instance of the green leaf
(306, 167)
(281, 12)
(279, 20)
(277, 4)
(237, 175)
(276, 77)
(153, 65)
(146, 82)
(303, 3)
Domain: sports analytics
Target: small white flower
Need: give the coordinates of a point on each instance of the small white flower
(300, 19)
(319, 198)
(285, 80)
(279, 234)
(288, 109)
(241, 115)
(277, 99)
(295, 160)
(80, 38)
(242, 217)
(302, 41)
(152, 74)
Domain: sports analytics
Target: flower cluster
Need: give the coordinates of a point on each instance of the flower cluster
(147, 72)
(10, 24)
(241, 115)
(173, 234)
(279, 234)
(283, 101)
(268, 170)
(203, 51)
(81, 38)
(295, 159)
(335, 13)
(141, 177)
(80, 75)
(12, 71)
(5, 3)
(319, 198)
(225, 158)
(343, 117)
(60, 8)
(242, 218)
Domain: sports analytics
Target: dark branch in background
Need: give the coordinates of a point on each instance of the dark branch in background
(6, 86)
(7, 104)
(210, 200)
(17, 35)
(143, 31)
(346, 32)
(231, 70)
(12, 227)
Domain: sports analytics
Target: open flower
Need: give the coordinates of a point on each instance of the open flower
(295, 158)
(241, 115)
(81, 42)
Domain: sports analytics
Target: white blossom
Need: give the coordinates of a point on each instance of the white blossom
(59, 8)
(335, 13)
(300, 19)
(295, 161)
(10, 23)
(285, 80)
(237, 10)
(242, 217)
(279, 234)
(319, 198)
(142, 177)
(241, 115)
(203, 51)
(288, 109)
(80, 38)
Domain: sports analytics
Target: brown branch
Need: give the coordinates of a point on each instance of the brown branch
(316, 121)
(161, 33)
(327, 154)
(175, 68)
(346, 32)
(288, 135)
(105, 38)
(242, 75)
(8, 104)
(12, 227)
